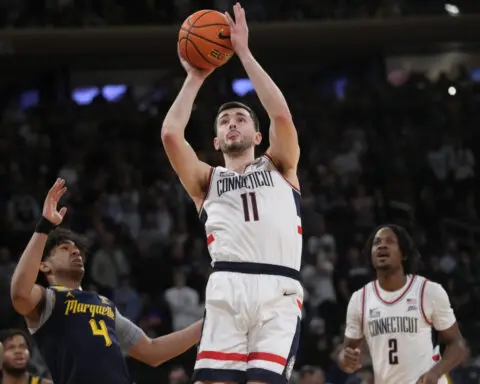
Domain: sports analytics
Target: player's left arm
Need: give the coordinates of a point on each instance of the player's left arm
(284, 149)
(443, 320)
(158, 350)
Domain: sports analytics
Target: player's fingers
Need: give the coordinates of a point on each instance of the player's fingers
(63, 211)
(230, 20)
(236, 11)
(54, 186)
(241, 14)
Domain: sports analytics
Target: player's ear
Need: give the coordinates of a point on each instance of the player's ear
(44, 268)
(216, 144)
(258, 138)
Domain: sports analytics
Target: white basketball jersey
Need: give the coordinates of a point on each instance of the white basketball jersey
(397, 333)
(253, 216)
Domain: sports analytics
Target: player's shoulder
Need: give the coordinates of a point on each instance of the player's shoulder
(432, 288)
(105, 300)
(359, 294)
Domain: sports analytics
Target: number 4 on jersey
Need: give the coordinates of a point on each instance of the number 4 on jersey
(246, 208)
(100, 329)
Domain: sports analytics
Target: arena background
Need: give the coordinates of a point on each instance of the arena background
(385, 95)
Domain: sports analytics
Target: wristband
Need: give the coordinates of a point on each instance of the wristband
(44, 226)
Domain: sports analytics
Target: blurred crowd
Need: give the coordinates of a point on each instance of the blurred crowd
(373, 153)
(82, 13)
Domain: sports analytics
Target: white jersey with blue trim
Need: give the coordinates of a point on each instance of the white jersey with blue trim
(253, 216)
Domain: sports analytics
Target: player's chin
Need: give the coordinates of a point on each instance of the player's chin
(77, 267)
(382, 266)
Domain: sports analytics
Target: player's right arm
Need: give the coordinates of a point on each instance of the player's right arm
(28, 298)
(349, 356)
(192, 172)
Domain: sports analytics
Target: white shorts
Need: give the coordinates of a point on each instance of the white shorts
(251, 328)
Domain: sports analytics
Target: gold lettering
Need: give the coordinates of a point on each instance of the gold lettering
(74, 307)
(215, 53)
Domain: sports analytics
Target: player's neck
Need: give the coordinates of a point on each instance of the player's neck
(392, 282)
(9, 379)
(239, 162)
(65, 282)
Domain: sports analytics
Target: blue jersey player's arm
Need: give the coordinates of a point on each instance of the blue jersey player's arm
(155, 351)
(28, 298)
(284, 149)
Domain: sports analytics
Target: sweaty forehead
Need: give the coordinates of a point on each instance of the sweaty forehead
(233, 112)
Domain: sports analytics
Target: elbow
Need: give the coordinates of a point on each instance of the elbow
(168, 135)
(21, 302)
(465, 352)
(156, 363)
(282, 116)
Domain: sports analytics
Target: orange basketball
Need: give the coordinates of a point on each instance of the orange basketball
(204, 39)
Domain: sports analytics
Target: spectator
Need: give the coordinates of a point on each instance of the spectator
(183, 302)
(127, 299)
(109, 263)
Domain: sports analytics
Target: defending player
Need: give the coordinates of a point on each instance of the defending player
(396, 313)
(79, 333)
(252, 219)
(15, 359)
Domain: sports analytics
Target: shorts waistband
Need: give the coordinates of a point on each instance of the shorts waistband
(256, 269)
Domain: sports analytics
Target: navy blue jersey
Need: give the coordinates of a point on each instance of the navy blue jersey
(78, 338)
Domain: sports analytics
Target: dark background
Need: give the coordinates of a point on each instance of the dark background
(385, 96)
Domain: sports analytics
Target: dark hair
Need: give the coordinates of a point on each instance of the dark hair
(237, 104)
(8, 334)
(61, 236)
(410, 253)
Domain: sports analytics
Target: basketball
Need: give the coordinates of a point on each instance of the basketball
(204, 39)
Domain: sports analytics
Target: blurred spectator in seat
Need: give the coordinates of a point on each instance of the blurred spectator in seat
(183, 302)
(127, 299)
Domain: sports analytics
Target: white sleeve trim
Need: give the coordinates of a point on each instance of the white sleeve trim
(46, 312)
(437, 307)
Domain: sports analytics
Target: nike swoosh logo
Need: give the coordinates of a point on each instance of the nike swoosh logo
(289, 294)
(221, 36)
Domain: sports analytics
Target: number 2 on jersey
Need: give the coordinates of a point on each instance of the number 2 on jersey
(100, 330)
(246, 208)
(392, 351)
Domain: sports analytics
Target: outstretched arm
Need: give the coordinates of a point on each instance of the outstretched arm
(284, 148)
(155, 351)
(28, 297)
(192, 172)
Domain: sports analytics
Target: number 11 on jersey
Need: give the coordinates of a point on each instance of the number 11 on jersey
(246, 206)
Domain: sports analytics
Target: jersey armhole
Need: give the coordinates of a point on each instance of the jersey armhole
(47, 311)
(422, 300)
(295, 188)
(207, 190)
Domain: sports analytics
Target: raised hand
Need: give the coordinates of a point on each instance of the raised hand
(50, 206)
(192, 71)
(238, 29)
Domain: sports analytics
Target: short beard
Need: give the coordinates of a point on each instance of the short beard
(15, 372)
(236, 148)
